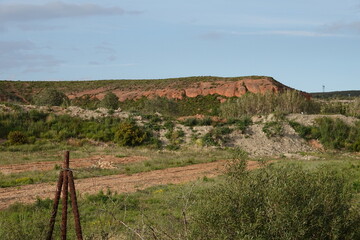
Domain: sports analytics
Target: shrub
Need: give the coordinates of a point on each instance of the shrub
(110, 101)
(190, 122)
(252, 104)
(333, 132)
(129, 134)
(216, 137)
(278, 203)
(17, 137)
(244, 123)
(273, 129)
(175, 138)
(50, 97)
(303, 131)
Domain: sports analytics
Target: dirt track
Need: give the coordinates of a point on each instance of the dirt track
(119, 183)
(75, 163)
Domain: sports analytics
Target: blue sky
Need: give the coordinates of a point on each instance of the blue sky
(303, 44)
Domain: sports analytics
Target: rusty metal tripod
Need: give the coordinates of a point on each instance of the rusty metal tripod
(65, 182)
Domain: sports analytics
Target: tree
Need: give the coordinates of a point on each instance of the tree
(128, 134)
(110, 101)
(50, 97)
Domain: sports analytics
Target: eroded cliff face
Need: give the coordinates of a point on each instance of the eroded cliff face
(222, 88)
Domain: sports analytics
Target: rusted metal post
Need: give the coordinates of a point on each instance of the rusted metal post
(65, 196)
(75, 206)
(55, 206)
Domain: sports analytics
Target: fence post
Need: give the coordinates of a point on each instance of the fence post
(55, 206)
(65, 196)
(66, 181)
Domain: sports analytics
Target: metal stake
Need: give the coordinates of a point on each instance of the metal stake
(66, 181)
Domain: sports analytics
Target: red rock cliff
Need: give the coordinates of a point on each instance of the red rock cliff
(224, 88)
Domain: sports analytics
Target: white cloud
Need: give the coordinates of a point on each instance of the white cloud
(33, 27)
(296, 33)
(343, 27)
(20, 12)
(19, 55)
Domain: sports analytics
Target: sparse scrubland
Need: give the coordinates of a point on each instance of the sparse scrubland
(307, 185)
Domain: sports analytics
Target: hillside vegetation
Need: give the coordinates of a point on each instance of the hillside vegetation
(255, 159)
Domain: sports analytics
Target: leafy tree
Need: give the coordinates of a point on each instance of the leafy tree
(50, 97)
(110, 101)
(128, 134)
(17, 137)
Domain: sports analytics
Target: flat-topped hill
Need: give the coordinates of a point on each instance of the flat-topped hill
(175, 88)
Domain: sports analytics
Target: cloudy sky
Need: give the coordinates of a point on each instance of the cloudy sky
(304, 44)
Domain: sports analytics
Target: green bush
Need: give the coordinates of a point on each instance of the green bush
(252, 104)
(129, 134)
(273, 129)
(17, 137)
(244, 123)
(216, 136)
(278, 202)
(303, 131)
(110, 101)
(332, 133)
(50, 97)
(207, 105)
(190, 122)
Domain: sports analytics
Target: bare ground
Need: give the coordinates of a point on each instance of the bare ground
(116, 183)
(102, 161)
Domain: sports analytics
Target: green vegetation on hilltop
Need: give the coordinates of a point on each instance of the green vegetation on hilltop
(336, 94)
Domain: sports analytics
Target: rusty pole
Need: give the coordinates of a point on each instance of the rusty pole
(55, 206)
(65, 196)
(75, 206)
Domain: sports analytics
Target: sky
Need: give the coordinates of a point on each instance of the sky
(304, 44)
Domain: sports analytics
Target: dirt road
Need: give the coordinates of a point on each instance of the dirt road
(96, 161)
(119, 183)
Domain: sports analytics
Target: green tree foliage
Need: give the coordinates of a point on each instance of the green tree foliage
(332, 133)
(207, 105)
(278, 202)
(17, 137)
(252, 104)
(129, 134)
(50, 97)
(110, 101)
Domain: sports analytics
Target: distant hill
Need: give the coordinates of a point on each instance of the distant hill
(175, 88)
(336, 94)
